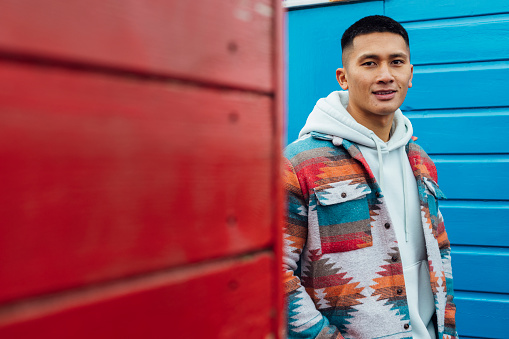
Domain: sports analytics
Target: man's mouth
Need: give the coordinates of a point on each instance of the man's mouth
(384, 95)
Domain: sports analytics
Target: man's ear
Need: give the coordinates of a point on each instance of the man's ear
(411, 76)
(341, 77)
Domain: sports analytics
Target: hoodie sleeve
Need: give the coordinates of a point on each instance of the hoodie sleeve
(304, 320)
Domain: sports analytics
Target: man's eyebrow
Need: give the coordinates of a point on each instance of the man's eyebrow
(369, 56)
(376, 56)
(399, 55)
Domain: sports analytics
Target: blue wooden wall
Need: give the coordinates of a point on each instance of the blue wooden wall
(459, 107)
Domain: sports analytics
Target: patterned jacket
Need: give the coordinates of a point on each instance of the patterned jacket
(343, 273)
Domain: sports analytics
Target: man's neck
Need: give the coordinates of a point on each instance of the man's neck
(380, 124)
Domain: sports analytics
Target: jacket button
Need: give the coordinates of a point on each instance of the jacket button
(394, 258)
(399, 291)
(343, 195)
(406, 326)
(387, 225)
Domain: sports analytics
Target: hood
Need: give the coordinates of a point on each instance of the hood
(330, 116)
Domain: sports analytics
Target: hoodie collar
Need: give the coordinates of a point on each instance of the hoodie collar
(330, 117)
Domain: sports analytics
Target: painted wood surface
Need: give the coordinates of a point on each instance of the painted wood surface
(140, 153)
(461, 131)
(459, 110)
(112, 176)
(225, 299)
(477, 177)
(472, 265)
(278, 197)
(439, 41)
(482, 223)
(459, 113)
(452, 86)
(225, 42)
(483, 315)
(410, 10)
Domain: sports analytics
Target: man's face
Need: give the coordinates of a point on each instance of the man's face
(377, 74)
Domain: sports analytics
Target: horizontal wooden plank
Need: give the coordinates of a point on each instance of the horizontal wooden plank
(219, 42)
(482, 315)
(480, 223)
(485, 36)
(452, 86)
(231, 299)
(314, 54)
(408, 10)
(446, 131)
(478, 177)
(481, 269)
(111, 176)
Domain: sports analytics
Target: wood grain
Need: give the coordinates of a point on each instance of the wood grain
(227, 299)
(476, 177)
(458, 107)
(483, 315)
(465, 219)
(473, 264)
(452, 131)
(458, 86)
(105, 177)
(409, 10)
(486, 36)
(278, 196)
(225, 42)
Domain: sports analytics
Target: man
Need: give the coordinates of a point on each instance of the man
(366, 253)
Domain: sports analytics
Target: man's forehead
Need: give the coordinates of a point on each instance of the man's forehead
(378, 44)
(375, 38)
(377, 54)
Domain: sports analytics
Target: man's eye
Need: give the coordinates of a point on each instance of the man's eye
(368, 63)
(398, 62)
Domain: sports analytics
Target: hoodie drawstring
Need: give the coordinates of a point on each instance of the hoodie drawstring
(404, 160)
(380, 161)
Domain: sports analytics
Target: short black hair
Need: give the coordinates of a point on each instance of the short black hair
(373, 24)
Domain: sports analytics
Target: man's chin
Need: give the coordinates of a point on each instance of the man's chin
(385, 112)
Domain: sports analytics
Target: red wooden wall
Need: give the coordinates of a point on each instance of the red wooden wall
(139, 169)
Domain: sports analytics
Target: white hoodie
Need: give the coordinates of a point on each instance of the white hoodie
(389, 163)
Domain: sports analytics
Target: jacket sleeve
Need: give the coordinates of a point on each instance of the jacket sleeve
(445, 254)
(304, 320)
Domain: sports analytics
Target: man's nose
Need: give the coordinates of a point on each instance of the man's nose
(385, 74)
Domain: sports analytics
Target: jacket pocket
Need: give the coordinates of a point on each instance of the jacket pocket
(433, 194)
(431, 188)
(343, 216)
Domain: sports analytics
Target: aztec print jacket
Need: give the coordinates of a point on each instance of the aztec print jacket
(343, 273)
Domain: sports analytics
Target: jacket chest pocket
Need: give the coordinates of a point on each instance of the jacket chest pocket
(433, 194)
(343, 216)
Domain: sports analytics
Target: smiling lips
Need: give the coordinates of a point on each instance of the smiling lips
(385, 95)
